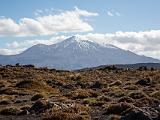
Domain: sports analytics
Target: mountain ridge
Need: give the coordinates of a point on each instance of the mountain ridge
(75, 53)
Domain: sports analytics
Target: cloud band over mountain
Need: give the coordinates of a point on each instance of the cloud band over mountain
(144, 43)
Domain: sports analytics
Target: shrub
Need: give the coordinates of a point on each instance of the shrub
(118, 108)
(144, 82)
(75, 78)
(95, 94)
(18, 101)
(111, 67)
(93, 102)
(104, 98)
(1, 84)
(116, 92)
(9, 91)
(36, 85)
(80, 94)
(137, 95)
(131, 87)
(126, 99)
(89, 101)
(65, 116)
(97, 84)
(40, 106)
(73, 112)
(17, 64)
(9, 111)
(29, 66)
(26, 107)
(4, 102)
(156, 95)
(142, 68)
(116, 83)
(37, 97)
(114, 117)
(26, 84)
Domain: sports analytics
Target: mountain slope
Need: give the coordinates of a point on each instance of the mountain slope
(74, 53)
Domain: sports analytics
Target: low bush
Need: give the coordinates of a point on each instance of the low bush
(93, 102)
(118, 109)
(9, 111)
(37, 97)
(4, 102)
(116, 83)
(137, 94)
(126, 99)
(80, 94)
(114, 117)
(27, 84)
(65, 116)
(156, 95)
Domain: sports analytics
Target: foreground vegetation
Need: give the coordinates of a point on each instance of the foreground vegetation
(105, 93)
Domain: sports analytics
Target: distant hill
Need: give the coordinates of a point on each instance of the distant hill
(136, 66)
(126, 66)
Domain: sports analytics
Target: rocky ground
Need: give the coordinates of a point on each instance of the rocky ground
(28, 93)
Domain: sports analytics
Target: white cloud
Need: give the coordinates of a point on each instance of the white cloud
(39, 11)
(18, 47)
(84, 12)
(8, 26)
(143, 43)
(15, 44)
(5, 51)
(109, 13)
(113, 13)
(64, 21)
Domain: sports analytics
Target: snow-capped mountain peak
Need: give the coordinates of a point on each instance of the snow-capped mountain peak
(76, 42)
(75, 53)
(85, 43)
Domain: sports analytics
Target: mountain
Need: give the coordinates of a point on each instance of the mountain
(75, 53)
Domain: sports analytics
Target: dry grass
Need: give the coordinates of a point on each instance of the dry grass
(77, 95)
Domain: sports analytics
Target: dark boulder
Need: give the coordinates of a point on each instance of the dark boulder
(40, 106)
(144, 113)
(144, 82)
(118, 109)
(37, 97)
(97, 85)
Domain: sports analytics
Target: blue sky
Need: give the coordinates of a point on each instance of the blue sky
(136, 15)
(103, 17)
